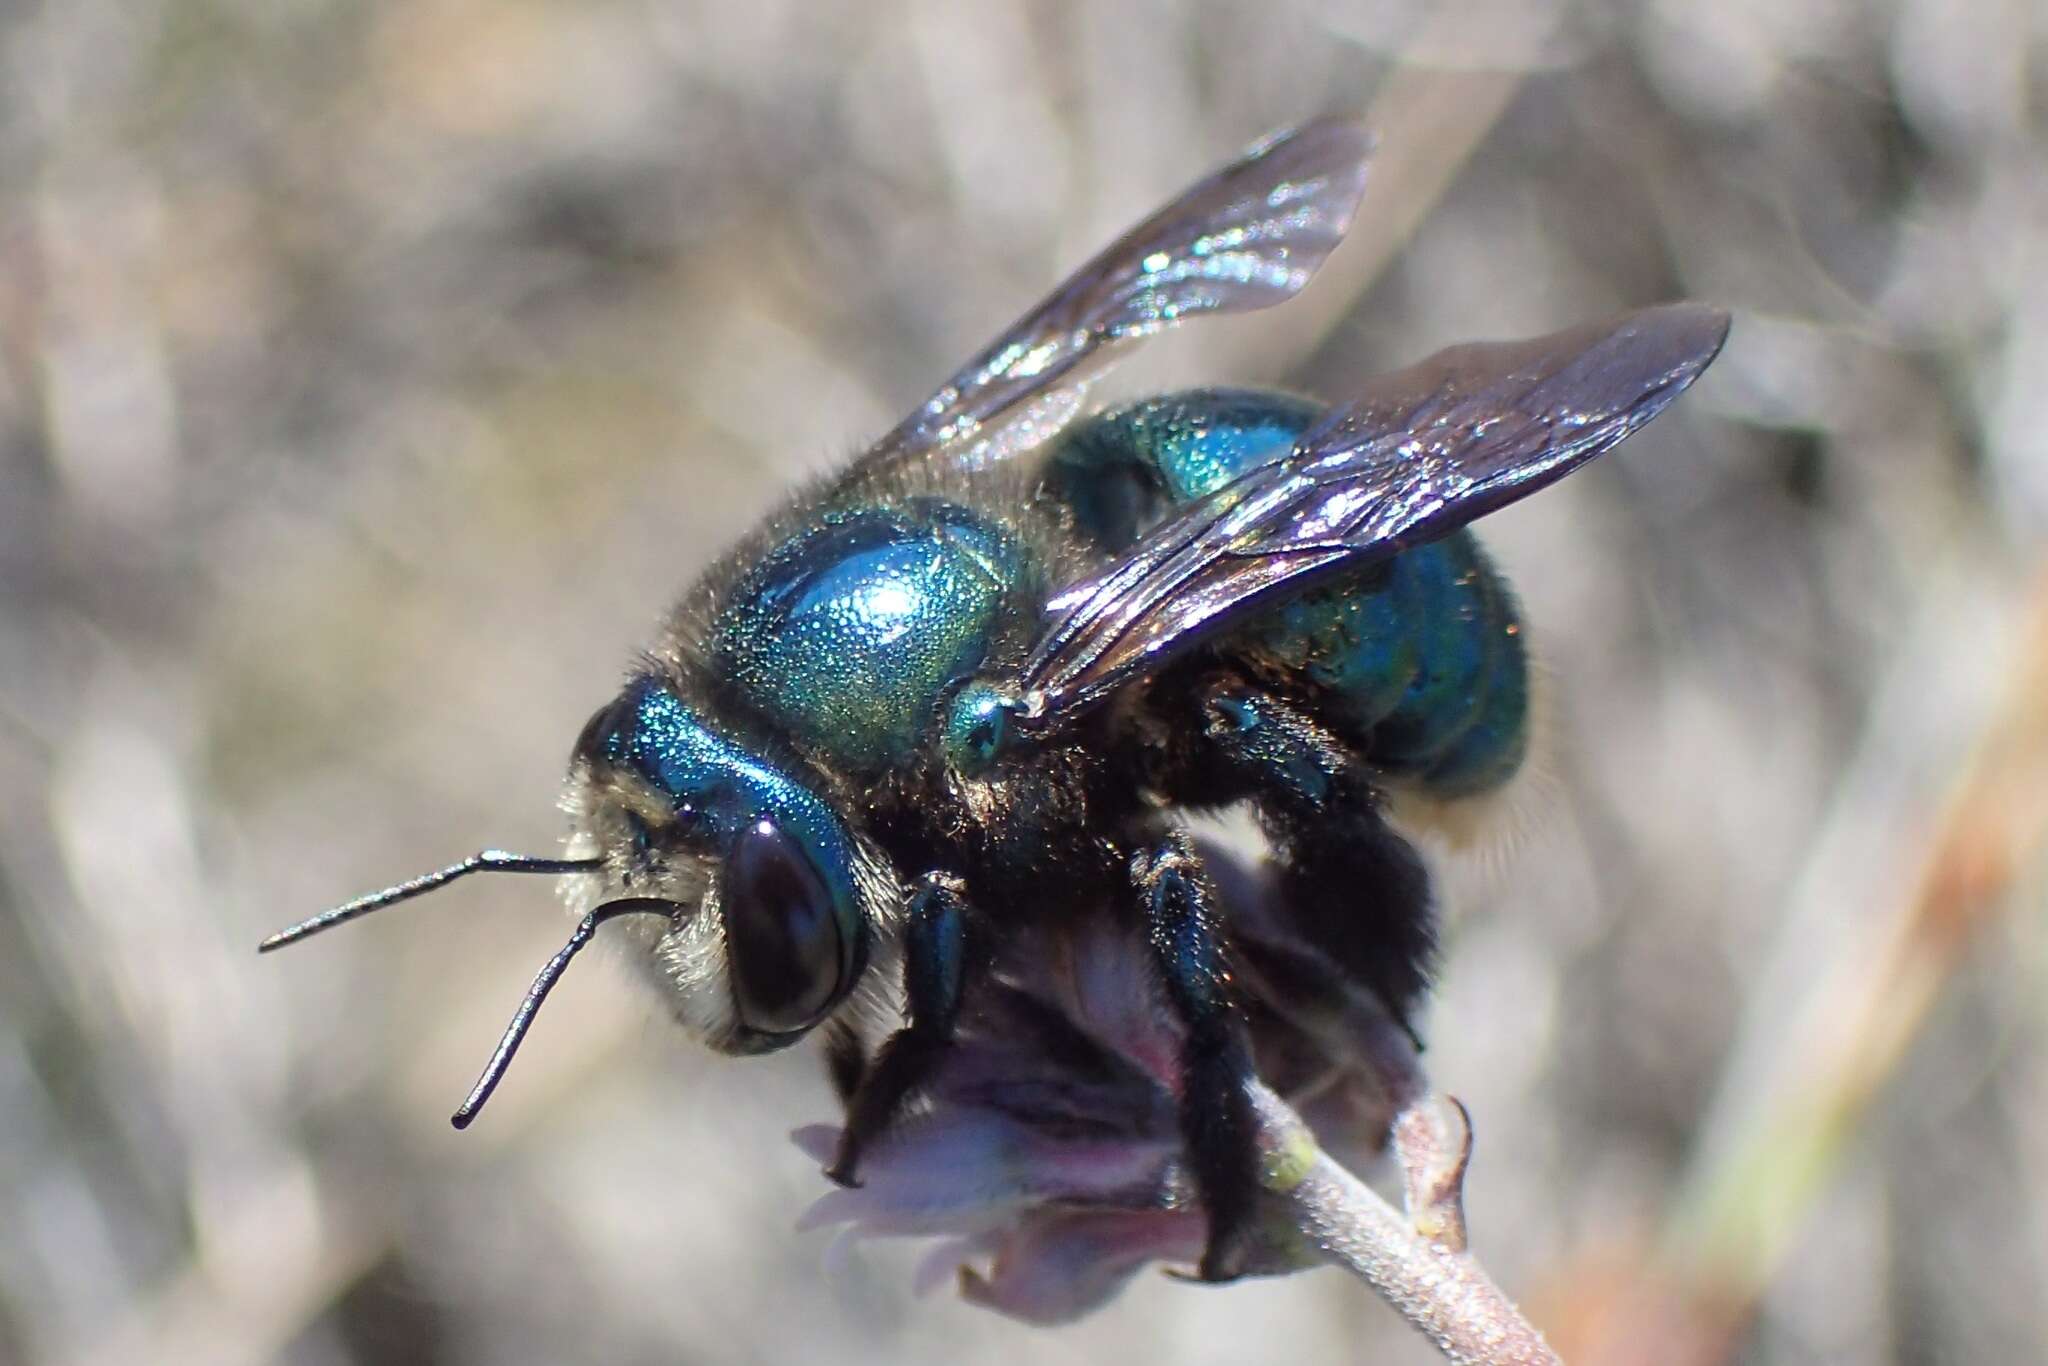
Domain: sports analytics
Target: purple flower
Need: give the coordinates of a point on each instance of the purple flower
(1046, 1156)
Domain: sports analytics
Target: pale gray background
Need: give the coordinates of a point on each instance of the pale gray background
(370, 374)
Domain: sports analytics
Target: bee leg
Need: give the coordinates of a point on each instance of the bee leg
(846, 1059)
(935, 963)
(1216, 1120)
(1348, 880)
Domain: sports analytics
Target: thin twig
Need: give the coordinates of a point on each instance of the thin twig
(1429, 1279)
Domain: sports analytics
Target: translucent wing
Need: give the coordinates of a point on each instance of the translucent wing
(1420, 453)
(1245, 238)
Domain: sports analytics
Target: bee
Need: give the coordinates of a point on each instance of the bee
(979, 677)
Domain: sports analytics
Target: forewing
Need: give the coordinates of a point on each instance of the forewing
(1418, 454)
(1245, 238)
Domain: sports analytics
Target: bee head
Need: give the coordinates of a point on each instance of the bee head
(749, 902)
(773, 898)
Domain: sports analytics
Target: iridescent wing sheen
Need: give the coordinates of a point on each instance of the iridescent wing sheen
(1245, 238)
(1418, 454)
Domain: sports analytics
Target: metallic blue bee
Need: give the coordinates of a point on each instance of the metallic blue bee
(970, 682)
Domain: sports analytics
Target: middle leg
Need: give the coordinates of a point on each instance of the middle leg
(1217, 1124)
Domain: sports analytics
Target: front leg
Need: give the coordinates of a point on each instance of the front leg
(935, 965)
(1216, 1119)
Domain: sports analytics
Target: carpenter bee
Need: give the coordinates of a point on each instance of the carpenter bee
(978, 677)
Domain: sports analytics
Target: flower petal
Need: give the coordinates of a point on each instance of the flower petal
(1060, 1265)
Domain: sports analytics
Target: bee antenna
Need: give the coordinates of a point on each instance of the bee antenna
(485, 861)
(522, 1019)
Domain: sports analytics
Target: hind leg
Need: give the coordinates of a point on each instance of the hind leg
(1345, 880)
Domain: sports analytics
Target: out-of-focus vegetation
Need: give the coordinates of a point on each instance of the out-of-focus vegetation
(370, 374)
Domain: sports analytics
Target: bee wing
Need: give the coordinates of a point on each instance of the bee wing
(1247, 237)
(1420, 453)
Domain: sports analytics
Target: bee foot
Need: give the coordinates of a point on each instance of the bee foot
(1224, 1260)
(1221, 1263)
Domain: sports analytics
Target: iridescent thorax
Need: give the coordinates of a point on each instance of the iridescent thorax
(848, 633)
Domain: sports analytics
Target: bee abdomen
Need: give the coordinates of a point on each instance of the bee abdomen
(1420, 659)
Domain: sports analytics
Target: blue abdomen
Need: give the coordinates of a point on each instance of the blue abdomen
(848, 633)
(1420, 660)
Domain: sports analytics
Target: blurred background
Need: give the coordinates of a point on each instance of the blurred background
(371, 374)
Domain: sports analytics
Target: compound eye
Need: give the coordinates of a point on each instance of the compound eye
(786, 949)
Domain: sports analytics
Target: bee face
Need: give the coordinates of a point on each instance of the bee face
(775, 898)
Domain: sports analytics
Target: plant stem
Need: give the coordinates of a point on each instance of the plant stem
(1436, 1286)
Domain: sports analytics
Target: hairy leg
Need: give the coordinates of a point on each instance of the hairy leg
(1217, 1125)
(935, 966)
(1351, 884)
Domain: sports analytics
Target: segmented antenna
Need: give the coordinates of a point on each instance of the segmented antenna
(485, 861)
(522, 1019)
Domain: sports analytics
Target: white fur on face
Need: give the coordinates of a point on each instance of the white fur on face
(686, 964)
